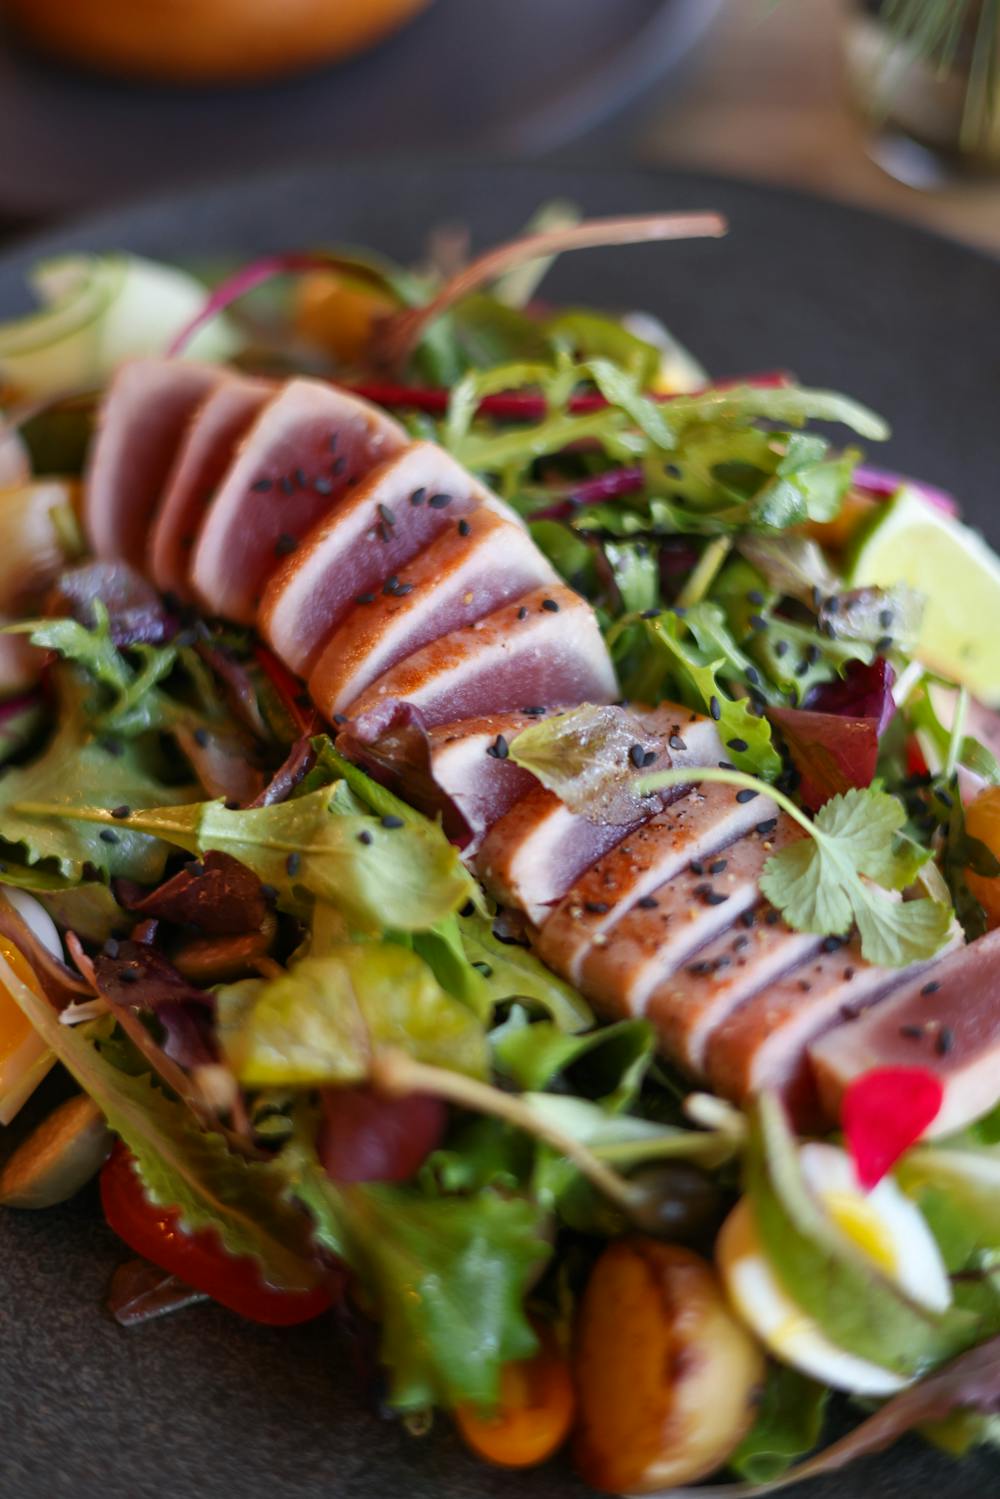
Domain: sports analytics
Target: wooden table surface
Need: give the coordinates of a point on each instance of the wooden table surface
(768, 99)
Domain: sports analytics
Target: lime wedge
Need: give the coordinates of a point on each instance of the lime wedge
(912, 542)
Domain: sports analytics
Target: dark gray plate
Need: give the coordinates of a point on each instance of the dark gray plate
(202, 1404)
(465, 78)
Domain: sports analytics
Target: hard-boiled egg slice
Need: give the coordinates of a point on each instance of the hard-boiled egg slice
(24, 1058)
(887, 1228)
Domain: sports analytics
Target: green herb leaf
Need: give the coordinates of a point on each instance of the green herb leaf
(181, 1164)
(322, 1021)
(607, 1065)
(513, 972)
(788, 1425)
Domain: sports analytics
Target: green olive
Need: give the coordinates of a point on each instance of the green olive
(57, 1158)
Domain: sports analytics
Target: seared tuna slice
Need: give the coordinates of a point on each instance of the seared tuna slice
(140, 426)
(308, 445)
(475, 566)
(460, 771)
(546, 649)
(694, 1001)
(539, 848)
(650, 942)
(205, 454)
(411, 498)
(700, 824)
(946, 1019)
(764, 1043)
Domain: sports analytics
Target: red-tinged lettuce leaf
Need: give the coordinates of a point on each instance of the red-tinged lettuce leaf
(220, 896)
(138, 977)
(296, 765)
(830, 753)
(970, 1382)
(864, 691)
(136, 614)
(392, 744)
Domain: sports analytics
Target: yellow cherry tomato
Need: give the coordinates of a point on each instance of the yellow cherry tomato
(534, 1414)
(982, 821)
(339, 313)
(24, 1058)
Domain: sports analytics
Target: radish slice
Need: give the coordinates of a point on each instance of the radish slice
(883, 483)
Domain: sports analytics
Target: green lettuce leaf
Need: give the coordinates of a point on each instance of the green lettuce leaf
(181, 1164)
(406, 877)
(513, 972)
(788, 1425)
(322, 1022)
(607, 1064)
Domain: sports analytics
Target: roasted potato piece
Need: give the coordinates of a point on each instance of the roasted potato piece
(666, 1377)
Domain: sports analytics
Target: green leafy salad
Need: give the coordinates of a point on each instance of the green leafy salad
(255, 977)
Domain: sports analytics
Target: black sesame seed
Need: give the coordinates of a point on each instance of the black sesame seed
(286, 485)
(300, 477)
(758, 622)
(832, 944)
(484, 969)
(883, 644)
(739, 745)
(110, 948)
(469, 909)
(715, 707)
(364, 836)
(383, 532)
(648, 759)
(123, 811)
(285, 545)
(700, 969)
(648, 903)
(418, 496)
(522, 613)
(718, 865)
(741, 942)
(772, 918)
(269, 892)
(390, 820)
(108, 835)
(945, 1041)
(747, 918)
(293, 864)
(746, 795)
(715, 898)
(364, 598)
(912, 1032)
(755, 597)
(885, 618)
(200, 737)
(813, 655)
(680, 611)
(931, 988)
(767, 826)
(596, 907)
(637, 755)
(128, 976)
(550, 605)
(534, 712)
(338, 467)
(944, 797)
(391, 584)
(439, 501)
(817, 597)
(696, 866)
(464, 529)
(341, 718)
(651, 614)
(802, 669)
(676, 742)
(332, 441)
(832, 604)
(781, 648)
(261, 486)
(726, 765)
(753, 676)
(499, 749)
(323, 485)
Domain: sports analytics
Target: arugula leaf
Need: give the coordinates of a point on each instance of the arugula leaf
(322, 1021)
(657, 659)
(77, 764)
(379, 877)
(788, 1425)
(858, 1308)
(513, 972)
(181, 1164)
(446, 1278)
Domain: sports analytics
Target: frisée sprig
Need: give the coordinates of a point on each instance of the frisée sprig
(847, 871)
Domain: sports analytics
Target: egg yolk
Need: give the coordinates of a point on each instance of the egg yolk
(15, 1027)
(866, 1231)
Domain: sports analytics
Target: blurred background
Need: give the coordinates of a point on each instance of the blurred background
(105, 100)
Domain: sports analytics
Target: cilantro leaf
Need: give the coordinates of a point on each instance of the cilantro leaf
(181, 1164)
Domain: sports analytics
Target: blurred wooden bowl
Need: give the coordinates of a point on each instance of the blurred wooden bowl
(201, 41)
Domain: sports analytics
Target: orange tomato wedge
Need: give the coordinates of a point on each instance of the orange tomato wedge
(535, 1412)
(24, 1057)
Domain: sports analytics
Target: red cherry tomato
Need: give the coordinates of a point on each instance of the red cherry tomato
(367, 1137)
(199, 1258)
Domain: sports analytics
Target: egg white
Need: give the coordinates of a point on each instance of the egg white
(903, 1249)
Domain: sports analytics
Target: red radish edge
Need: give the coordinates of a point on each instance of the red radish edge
(883, 1113)
(882, 483)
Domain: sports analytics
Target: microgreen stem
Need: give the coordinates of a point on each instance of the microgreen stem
(957, 733)
(705, 572)
(690, 773)
(395, 1073)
